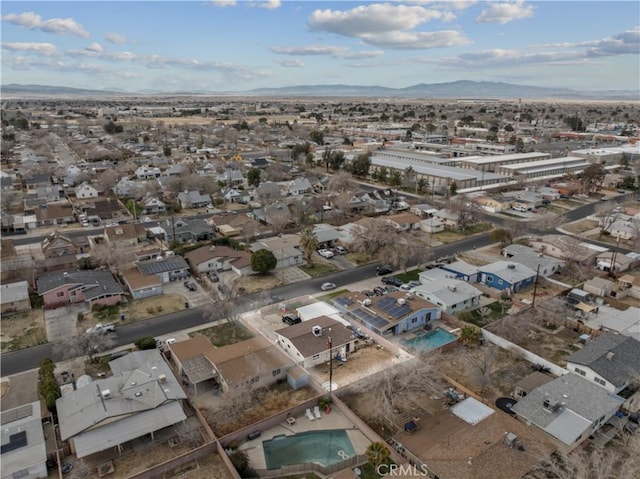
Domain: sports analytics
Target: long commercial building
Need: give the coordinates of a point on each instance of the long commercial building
(552, 167)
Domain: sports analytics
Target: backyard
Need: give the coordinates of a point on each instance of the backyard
(22, 330)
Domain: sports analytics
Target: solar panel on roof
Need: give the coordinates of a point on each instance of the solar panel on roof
(16, 441)
(371, 319)
(393, 308)
(343, 301)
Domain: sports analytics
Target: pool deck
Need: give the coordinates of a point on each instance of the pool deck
(334, 420)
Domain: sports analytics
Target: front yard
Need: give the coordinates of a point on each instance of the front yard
(222, 334)
(449, 236)
(319, 269)
(22, 330)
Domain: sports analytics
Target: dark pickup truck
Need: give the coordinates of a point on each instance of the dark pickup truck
(291, 318)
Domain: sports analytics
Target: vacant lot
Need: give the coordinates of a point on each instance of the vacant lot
(578, 227)
(22, 330)
(222, 334)
(136, 310)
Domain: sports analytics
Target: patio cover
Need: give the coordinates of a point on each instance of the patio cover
(472, 411)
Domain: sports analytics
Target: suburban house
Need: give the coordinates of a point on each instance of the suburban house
(24, 450)
(14, 297)
(54, 214)
(326, 234)
(33, 182)
(619, 261)
(493, 205)
(566, 248)
(146, 172)
(235, 195)
(507, 276)
(85, 190)
(525, 255)
(84, 286)
(218, 258)
(141, 397)
(608, 319)
(394, 313)
(569, 408)
(140, 285)
(462, 270)
(315, 342)
(128, 188)
(625, 230)
(299, 186)
(231, 177)
(628, 285)
(611, 361)
(231, 225)
(56, 245)
(403, 221)
(105, 208)
(171, 268)
(123, 236)
(431, 225)
(253, 363)
(423, 210)
(448, 218)
(193, 199)
(286, 255)
(185, 231)
(153, 206)
(599, 286)
(452, 295)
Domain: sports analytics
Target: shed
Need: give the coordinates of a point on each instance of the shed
(598, 286)
(297, 377)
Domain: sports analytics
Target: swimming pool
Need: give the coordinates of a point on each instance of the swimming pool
(323, 447)
(429, 341)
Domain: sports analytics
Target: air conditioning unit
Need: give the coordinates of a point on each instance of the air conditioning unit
(402, 301)
(106, 393)
(452, 288)
(511, 266)
(316, 331)
(367, 302)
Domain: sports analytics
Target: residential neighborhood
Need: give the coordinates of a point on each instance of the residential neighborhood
(219, 287)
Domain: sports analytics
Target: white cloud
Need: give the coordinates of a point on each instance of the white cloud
(95, 47)
(374, 19)
(223, 3)
(115, 38)
(449, 4)
(620, 44)
(505, 12)
(268, 4)
(327, 50)
(43, 49)
(33, 21)
(290, 62)
(417, 40)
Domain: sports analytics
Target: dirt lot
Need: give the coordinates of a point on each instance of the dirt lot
(578, 227)
(22, 330)
(137, 310)
(256, 283)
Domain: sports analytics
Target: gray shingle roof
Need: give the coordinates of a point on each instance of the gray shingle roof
(96, 283)
(618, 367)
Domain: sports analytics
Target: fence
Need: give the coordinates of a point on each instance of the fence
(312, 467)
(529, 356)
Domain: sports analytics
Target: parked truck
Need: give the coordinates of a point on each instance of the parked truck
(103, 328)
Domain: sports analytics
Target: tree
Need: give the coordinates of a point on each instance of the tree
(409, 178)
(341, 182)
(592, 176)
(607, 214)
(166, 150)
(308, 243)
(470, 336)
(501, 236)
(317, 136)
(263, 261)
(48, 387)
(628, 183)
(466, 211)
(145, 343)
(481, 361)
(86, 344)
(453, 188)
(361, 165)
(377, 454)
(253, 177)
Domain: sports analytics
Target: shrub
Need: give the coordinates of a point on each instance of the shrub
(145, 343)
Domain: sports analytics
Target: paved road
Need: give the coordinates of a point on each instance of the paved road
(26, 359)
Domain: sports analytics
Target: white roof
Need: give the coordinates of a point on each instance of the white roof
(472, 411)
(567, 426)
(12, 292)
(321, 308)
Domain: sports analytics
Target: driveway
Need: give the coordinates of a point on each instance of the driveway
(62, 323)
(197, 298)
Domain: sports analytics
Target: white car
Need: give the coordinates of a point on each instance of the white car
(341, 250)
(325, 253)
(327, 286)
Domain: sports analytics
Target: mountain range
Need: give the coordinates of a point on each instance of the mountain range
(463, 89)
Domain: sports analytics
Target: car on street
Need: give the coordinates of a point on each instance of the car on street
(327, 286)
(325, 253)
(381, 270)
(190, 285)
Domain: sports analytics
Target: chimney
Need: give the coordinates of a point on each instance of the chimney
(162, 378)
(610, 355)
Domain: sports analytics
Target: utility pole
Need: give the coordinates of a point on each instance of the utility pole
(535, 287)
(330, 344)
(613, 258)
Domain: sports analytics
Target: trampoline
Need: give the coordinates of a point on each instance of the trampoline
(505, 404)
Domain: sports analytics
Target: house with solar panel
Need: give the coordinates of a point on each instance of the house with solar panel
(396, 312)
(24, 452)
(141, 397)
(167, 269)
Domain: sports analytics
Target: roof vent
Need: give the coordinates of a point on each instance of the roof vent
(511, 266)
(402, 301)
(106, 393)
(316, 331)
(452, 287)
(162, 378)
(610, 355)
(138, 394)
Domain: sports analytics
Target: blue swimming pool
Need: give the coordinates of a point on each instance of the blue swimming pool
(323, 447)
(429, 341)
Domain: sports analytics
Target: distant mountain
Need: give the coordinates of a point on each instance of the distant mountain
(456, 89)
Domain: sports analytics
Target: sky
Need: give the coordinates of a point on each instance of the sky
(235, 46)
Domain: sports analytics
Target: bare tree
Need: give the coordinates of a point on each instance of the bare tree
(607, 214)
(85, 344)
(465, 209)
(114, 258)
(278, 216)
(11, 201)
(480, 362)
(376, 235)
(341, 182)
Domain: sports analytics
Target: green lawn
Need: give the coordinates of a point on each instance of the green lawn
(328, 297)
(449, 236)
(474, 317)
(359, 258)
(408, 276)
(319, 269)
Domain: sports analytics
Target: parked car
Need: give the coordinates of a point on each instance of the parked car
(341, 250)
(190, 285)
(380, 291)
(327, 286)
(392, 280)
(102, 328)
(368, 293)
(414, 283)
(213, 276)
(325, 253)
(291, 318)
(380, 270)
